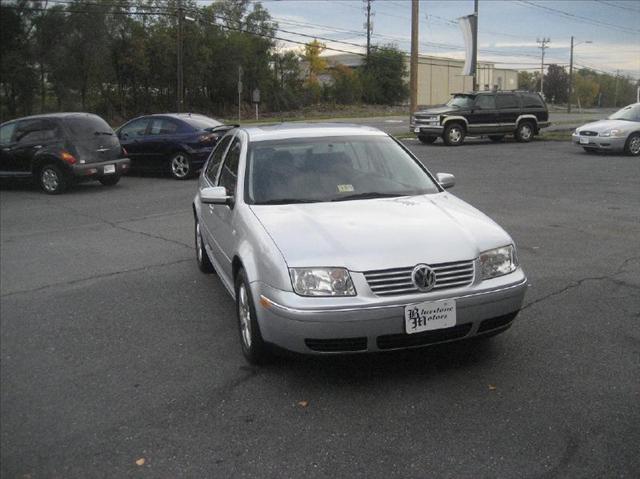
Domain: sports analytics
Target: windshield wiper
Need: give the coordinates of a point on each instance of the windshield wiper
(106, 133)
(284, 201)
(370, 194)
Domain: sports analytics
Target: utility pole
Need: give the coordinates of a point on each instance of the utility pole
(368, 25)
(543, 46)
(615, 96)
(413, 75)
(475, 46)
(180, 79)
(570, 77)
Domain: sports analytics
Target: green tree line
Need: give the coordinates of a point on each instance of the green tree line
(118, 58)
(590, 88)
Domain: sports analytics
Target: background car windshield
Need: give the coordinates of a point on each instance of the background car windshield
(631, 112)
(201, 122)
(460, 101)
(332, 169)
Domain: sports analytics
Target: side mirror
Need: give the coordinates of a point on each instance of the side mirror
(446, 180)
(216, 195)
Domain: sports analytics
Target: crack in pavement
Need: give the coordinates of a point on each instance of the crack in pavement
(580, 282)
(97, 276)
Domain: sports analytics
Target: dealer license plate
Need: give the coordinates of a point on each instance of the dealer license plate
(584, 140)
(429, 315)
(109, 169)
(416, 130)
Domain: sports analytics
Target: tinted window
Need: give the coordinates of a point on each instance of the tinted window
(507, 101)
(6, 132)
(163, 126)
(134, 128)
(332, 169)
(35, 131)
(229, 172)
(531, 100)
(461, 101)
(216, 157)
(486, 102)
(87, 126)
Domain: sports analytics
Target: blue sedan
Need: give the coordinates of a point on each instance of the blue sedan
(177, 143)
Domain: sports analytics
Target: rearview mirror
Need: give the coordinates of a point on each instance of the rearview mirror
(215, 195)
(446, 180)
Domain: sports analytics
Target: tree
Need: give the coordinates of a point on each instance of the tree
(556, 84)
(383, 76)
(347, 87)
(586, 89)
(529, 81)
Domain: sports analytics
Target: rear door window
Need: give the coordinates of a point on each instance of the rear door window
(163, 126)
(505, 102)
(36, 131)
(6, 133)
(486, 102)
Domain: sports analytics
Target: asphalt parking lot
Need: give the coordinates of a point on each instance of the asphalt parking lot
(116, 349)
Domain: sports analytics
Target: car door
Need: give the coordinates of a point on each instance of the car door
(162, 140)
(484, 116)
(132, 137)
(221, 218)
(508, 106)
(31, 136)
(7, 161)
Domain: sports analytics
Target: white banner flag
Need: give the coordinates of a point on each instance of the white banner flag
(468, 27)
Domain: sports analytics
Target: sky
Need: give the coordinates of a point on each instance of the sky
(508, 29)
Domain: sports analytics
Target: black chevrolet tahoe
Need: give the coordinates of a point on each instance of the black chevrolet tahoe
(59, 149)
(487, 113)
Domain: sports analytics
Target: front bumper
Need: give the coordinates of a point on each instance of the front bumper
(97, 170)
(364, 324)
(431, 129)
(604, 143)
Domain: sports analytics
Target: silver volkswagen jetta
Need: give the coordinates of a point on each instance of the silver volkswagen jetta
(335, 238)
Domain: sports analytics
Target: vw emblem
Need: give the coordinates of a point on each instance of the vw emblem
(423, 277)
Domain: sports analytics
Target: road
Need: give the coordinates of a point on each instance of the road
(116, 349)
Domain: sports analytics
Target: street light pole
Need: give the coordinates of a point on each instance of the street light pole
(570, 77)
(413, 72)
(180, 72)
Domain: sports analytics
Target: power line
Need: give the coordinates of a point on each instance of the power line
(611, 4)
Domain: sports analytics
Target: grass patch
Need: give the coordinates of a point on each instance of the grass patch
(555, 135)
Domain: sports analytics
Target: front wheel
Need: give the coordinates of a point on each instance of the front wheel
(525, 132)
(180, 166)
(253, 347)
(632, 147)
(453, 134)
(109, 180)
(427, 139)
(52, 179)
(202, 257)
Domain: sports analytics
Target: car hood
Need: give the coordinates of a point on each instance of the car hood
(604, 125)
(384, 233)
(436, 110)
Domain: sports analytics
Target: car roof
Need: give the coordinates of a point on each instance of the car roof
(54, 115)
(282, 131)
(179, 116)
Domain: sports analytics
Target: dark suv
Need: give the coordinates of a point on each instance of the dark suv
(487, 113)
(59, 149)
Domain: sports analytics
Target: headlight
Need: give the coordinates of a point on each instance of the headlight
(322, 282)
(497, 262)
(613, 132)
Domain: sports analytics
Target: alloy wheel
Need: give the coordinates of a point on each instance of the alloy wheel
(180, 166)
(634, 145)
(455, 135)
(525, 131)
(244, 313)
(50, 179)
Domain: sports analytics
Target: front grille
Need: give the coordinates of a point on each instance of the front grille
(389, 282)
(589, 133)
(498, 322)
(337, 345)
(393, 341)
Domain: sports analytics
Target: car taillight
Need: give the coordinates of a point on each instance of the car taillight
(208, 138)
(68, 157)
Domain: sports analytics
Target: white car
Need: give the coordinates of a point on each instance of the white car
(619, 132)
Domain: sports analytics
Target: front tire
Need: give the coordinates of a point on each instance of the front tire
(109, 180)
(632, 146)
(202, 257)
(253, 347)
(427, 139)
(180, 166)
(525, 132)
(454, 134)
(52, 179)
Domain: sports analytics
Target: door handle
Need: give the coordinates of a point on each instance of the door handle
(6, 149)
(37, 147)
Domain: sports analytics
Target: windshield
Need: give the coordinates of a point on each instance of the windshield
(201, 122)
(332, 169)
(631, 113)
(460, 101)
(87, 126)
